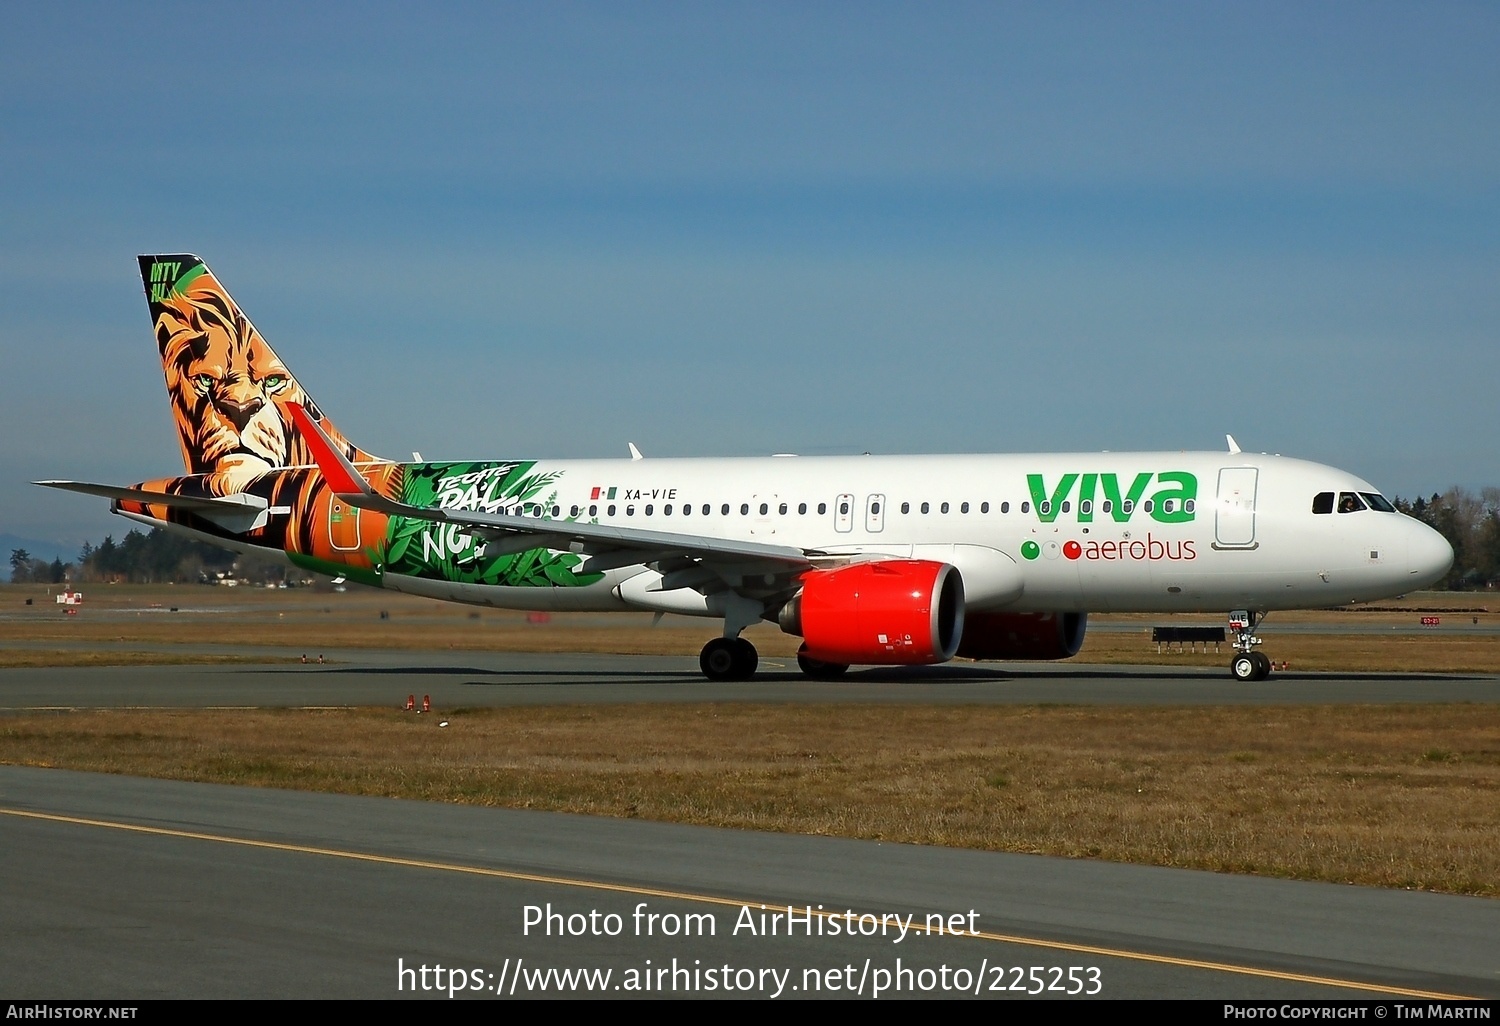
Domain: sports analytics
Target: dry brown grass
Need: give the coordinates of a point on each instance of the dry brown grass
(309, 620)
(1389, 796)
(17, 658)
(1397, 653)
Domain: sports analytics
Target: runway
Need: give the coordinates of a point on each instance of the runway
(122, 888)
(466, 679)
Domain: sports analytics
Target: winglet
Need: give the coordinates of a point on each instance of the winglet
(1233, 445)
(337, 470)
(635, 454)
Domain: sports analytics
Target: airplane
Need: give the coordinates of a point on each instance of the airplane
(871, 560)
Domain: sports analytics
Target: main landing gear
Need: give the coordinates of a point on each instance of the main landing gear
(1247, 664)
(728, 659)
(731, 657)
(817, 669)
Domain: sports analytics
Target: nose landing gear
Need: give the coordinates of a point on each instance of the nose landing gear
(1247, 664)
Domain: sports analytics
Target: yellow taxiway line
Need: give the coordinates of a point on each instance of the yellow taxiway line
(709, 899)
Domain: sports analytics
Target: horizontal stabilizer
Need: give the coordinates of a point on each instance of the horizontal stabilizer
(238, 513)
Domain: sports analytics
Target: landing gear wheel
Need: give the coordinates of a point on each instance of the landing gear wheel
(728, 659)
(746, 659)
(1247, 664)
(717, 660)
(817, 669)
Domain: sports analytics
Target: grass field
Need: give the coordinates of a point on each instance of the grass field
(1386, 796)
(309, 620)
(1395, 796)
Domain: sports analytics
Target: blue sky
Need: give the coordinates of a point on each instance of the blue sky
(547, 229)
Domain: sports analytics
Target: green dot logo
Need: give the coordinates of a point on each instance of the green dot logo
(1031, 550)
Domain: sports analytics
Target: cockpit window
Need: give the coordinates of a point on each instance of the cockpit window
(1379, 502)
(1323, 502)
(1350, 503)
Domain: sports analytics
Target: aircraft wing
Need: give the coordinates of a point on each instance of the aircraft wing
(685, 560)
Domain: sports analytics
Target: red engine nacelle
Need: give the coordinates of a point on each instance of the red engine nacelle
(1023, 635)
(892, 612)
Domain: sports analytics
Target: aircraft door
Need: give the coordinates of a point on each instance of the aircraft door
(343, 526)
(843, 514)
(875, 513)
(1234, 513)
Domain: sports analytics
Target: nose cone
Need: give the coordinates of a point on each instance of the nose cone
(1428, 556)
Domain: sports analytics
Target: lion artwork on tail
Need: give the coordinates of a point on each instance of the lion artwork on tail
(229, 390)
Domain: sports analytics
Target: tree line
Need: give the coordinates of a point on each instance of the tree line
(1469, 520)
(156, 556)
(1471, 523)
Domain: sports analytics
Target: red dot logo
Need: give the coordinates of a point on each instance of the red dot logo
(1072, 550)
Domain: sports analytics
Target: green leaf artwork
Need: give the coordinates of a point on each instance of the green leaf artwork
(445, 552)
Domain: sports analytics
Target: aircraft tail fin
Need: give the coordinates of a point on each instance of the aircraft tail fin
(229, 390)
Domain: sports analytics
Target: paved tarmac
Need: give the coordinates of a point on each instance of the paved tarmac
(245, 892)
(463, 679)
(117, 887)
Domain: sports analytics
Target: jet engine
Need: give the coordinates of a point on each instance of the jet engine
(885, 613)
(1022, 635)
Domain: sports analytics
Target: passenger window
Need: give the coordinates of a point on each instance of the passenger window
(1026, 507)
(573, 512)
(1106, 506)
(1066, 506)
(1005, 507)
(744, 509)
(666, 510)
(1148, 505)
(964, 508)
(1323, 502)
(781, 509)
(593, 511)
(875, 509)
(611, 509)
(843, 509)
(906, 507)
(724, 511)
(802, 509)
(630, 511)
(1128, 507)
(1190, 505)
(1166, 505)
(687, 509)
(1044, 507)
(925, 507)
(822, 508)
(708, 509)
(764, 509)
(943, 508)
(648, 509)
(984, 507)
(1086, 506)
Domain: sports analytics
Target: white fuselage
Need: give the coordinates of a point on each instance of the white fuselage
(1146, 532)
